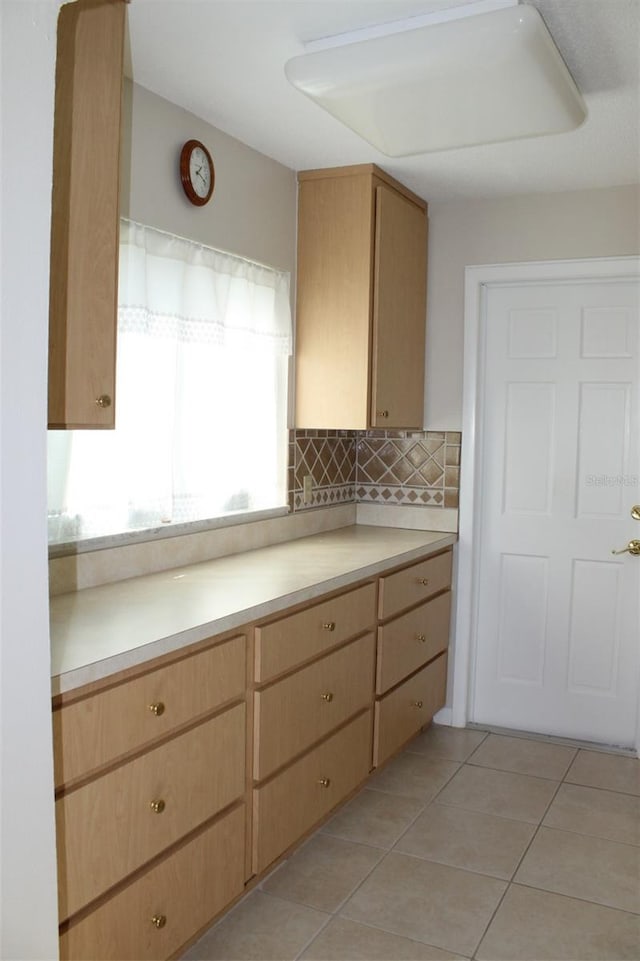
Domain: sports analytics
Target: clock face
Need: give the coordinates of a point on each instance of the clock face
(196, 172)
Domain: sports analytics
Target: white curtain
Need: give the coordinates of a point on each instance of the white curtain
(201, 392)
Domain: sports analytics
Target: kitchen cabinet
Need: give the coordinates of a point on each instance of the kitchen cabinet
(126, 813)
(84, 217)
(180, 782)
(414, 606)
(361, 300)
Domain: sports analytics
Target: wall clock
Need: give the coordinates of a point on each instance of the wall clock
(197, 172)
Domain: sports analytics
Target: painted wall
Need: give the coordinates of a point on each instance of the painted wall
(28, 902)
(253, 209)
(559, 226)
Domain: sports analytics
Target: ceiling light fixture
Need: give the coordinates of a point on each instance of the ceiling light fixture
(418, 85)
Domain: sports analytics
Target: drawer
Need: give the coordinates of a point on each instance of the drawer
(414, 584)
(105, 726)
(292, 640)
(401, 713)
(108, 828)
(295, 712)
(187, 889)
(411, 640)
(292, 802)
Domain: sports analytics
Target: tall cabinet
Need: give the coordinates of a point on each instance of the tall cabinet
(361, 300)
(84, 219)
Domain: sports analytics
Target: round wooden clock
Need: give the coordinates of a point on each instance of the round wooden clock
(197, 172)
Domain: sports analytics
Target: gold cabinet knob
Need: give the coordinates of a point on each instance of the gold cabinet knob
(633, 547)
(325, 782)
(382, 413)
(424, 581)
(103, 401)
(329, 626)
(159, 920)
(421, 637)
(417, 704)
(157, 709)
(328, 697)
(157, 806)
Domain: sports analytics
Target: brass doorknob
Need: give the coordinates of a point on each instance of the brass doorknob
(157, 806)
(157, 709)
(103, 401)
(633, 547)
(159, 920)
(635, 512)
(325, 782)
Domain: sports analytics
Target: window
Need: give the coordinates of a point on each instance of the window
(203, 344)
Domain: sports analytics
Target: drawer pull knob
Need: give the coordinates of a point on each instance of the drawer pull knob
(325, 782)
(157, 709)
(157, 806)
(329, 626)
(159, 920)
(417, 704)
(103, 401)
(424, 581)
(382, 413)
(328, 697)
(421, 637)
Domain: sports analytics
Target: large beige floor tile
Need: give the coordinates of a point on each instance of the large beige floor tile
(536, 926)
(427, 902)
(261, 928)
(609, 771)
(468, 839)
(344, 940)
(499, 792)
(324, 872)
(414, 776)
(374, 818)
(583, 867)
(524, 756)
(448, 743)
(587, 810)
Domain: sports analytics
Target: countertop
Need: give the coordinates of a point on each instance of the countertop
(99, 631)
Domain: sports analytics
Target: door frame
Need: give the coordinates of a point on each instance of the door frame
(477, 281)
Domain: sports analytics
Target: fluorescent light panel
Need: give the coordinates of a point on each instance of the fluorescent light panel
(475, 80)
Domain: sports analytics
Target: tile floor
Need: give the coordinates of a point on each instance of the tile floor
(467, 845)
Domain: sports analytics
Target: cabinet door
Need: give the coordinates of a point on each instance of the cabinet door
(84, 220)
(399, 311)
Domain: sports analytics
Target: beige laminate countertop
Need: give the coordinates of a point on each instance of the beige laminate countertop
(99, 631)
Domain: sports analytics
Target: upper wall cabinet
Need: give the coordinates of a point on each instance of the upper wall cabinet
(84, 225)
(361, 300)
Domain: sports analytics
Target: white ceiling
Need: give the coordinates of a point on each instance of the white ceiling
(223, 60)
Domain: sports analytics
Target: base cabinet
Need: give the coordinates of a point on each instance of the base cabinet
(183, 783)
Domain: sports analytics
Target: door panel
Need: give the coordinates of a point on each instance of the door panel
(558, 622)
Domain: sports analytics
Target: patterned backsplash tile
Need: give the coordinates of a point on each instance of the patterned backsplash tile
(419, 468)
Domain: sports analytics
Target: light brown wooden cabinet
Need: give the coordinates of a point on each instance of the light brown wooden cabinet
(181, 782)
(361, 300)
(85, 215)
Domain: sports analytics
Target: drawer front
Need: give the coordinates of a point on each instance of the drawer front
(290, 804)
(102, 727)
(401, 714)
(411, 640)
(414, 584)
(187, 889)
(294, 713)
(108, 828)
(292, 640)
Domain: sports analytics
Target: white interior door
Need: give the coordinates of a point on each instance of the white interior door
(558, 627)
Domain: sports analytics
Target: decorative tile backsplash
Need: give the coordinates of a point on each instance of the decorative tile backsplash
(414, 468)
